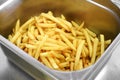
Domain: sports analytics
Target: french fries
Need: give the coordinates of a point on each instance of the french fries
(58, 43)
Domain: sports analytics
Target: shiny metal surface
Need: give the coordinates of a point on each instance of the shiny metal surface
(9, 12)
(116, 2)
(110, 4)
(112, 69)
(9, 71)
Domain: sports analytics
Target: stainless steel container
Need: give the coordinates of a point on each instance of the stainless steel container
(98, 17)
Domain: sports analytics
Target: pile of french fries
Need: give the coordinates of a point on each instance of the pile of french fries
(58, 43)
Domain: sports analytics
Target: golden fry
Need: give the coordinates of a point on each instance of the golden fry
(64, 64)
(95, 44)
(39, 47)
(78, 53)
(80, 27)
(19, 40)
(71, 66)
(102, 43)
(53, 63)
(46, 25)
(17, 26)
(90, 32)
(46, 62)
(89, 42)
(55, 20)
(80, 64)
(67, 42)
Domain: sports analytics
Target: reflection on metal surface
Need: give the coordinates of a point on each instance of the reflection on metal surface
(112, 69)
(9, 12)
(116, 2)
(3, 66)
(6, 4)
(9, 71)
(102, 73)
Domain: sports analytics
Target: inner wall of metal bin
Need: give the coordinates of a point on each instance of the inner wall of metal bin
(97, 19)
(109, 4)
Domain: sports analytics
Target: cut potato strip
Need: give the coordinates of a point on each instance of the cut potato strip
(78, 53)
(102, 43)
(95, 44)
(88, 42)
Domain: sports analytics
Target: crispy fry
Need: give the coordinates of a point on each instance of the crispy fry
(57, 60)
(89, 42)
(55, 20)
(46, 62)
(80, 65)
(30, 51)
(83, 53)
(45, 54)
(90, 32)
(67, 42)
(45, 25)
(71, 66)
(86, 50)
(102, 43)
(17, 25)
(80, 27)
(95, 44)
(78, 53)
(39, 47)
(53, 63)
(64, 64)
(31, 36)
(18, 42)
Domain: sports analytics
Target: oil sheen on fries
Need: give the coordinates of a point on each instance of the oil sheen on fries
(58, 43)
